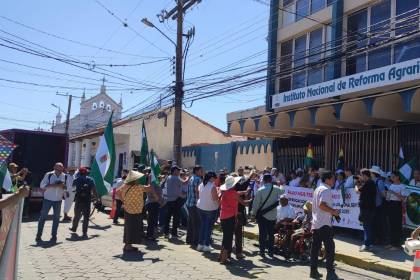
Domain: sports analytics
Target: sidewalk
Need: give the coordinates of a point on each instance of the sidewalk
(393, 263)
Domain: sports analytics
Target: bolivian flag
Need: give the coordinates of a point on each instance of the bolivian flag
(309, 160)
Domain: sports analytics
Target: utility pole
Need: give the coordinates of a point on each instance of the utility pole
(67, 126)
(178, 14)
(179, 85)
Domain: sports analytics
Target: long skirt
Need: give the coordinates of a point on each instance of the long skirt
(132, 228)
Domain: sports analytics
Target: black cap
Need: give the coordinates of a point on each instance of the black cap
(175, 167)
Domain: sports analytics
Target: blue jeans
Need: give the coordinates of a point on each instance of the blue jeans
(208, 218)
(46, 206)
(368, 219)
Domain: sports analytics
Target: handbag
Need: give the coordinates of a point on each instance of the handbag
(259, 214)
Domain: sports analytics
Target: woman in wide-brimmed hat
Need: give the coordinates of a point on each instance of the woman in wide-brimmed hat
(132, 197)
(229, 199)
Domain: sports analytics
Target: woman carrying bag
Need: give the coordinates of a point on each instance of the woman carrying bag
(132, 197)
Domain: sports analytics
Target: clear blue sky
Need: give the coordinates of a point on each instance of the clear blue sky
(226, 31)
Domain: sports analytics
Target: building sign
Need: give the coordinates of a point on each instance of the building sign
(384, 76)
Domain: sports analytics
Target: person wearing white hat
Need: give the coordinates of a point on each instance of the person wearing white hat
(132, 197)
(229, 200)
(380, 223)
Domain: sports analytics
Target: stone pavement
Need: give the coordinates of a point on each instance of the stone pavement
(100, 257)
(383, 260)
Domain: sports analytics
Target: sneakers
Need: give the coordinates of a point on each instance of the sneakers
(72, 229)
(200, 248)
(53, 239)
(315, 274)
(207, 249)
(38, 239)
(364, 248)
(85, 236)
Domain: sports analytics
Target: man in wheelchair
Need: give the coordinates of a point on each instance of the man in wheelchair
(284, 226)
(285, 214)
(303, 221)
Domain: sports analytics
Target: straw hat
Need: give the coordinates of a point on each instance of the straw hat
(230, 182)
(133, 176)
(376, 169)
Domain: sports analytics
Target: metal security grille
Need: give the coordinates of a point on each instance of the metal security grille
(290, 153)
(365, 148)
(409, 136)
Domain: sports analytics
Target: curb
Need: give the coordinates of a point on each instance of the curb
(354, 261)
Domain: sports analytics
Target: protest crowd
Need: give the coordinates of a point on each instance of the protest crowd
(169, 197)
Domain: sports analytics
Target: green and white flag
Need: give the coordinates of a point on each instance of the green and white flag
(144, 151)
(5, 178)
(155, 167)
(405, 168)
(104, 162)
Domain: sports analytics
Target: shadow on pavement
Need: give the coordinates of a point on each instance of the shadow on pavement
(238, 268)
(76, 237)
(99, 227)
(46, 244)
(135, 257)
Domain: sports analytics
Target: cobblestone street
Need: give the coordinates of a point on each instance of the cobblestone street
(100, 257)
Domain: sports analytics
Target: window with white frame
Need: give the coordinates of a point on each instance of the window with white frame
(303, 60)
(381, 35)
(94, 106)
(295, 10)
(101, 104)
(108, 108)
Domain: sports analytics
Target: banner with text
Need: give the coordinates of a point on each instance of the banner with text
(412, 207)
(376, 78)
(349, 210)
(9, 240)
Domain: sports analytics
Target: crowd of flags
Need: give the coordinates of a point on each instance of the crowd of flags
(103, 166)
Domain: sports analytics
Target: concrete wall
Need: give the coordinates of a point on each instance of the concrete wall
(160, 133)
(259, 155)
(189, 159)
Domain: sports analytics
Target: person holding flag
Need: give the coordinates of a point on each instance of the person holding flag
(103, 164)
(132, 193)
(153, 200)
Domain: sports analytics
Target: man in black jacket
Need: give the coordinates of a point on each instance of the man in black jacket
(367, 208)
(84, 188)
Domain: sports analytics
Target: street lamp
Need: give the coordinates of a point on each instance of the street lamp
(146, 22)
(58, 107)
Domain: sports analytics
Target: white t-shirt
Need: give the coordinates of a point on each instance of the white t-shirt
(205, 201)
(295, 182)
(55, 194)
(285, 212)
(349, 184)
(397, 189)
(320, 218)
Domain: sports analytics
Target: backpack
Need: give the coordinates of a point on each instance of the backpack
(83, 189)
(50, 175)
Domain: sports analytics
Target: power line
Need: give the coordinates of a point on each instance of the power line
(125, 24)
(74, 41)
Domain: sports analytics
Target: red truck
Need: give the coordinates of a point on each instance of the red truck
(37, 151)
